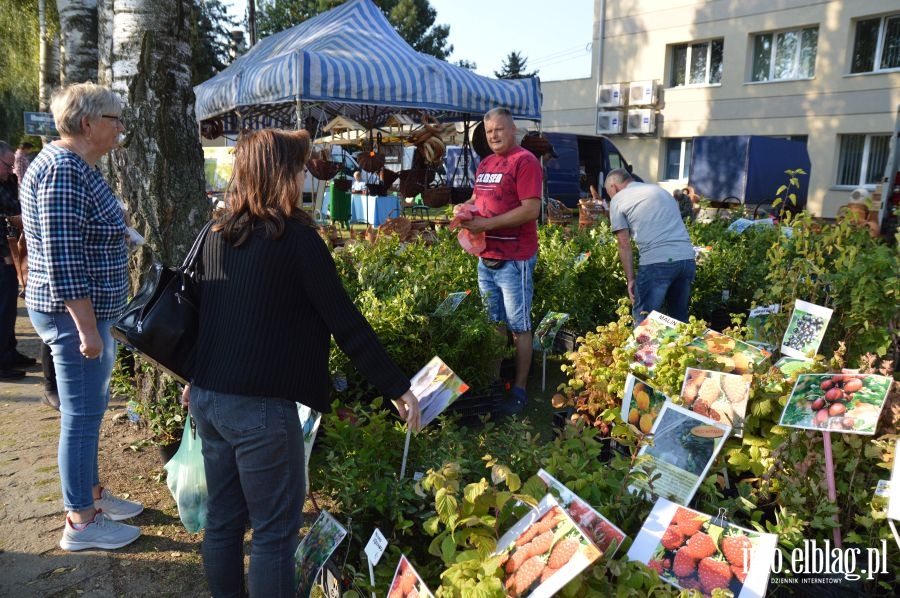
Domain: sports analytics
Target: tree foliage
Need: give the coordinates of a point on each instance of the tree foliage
(514, 67)
(19, 54)
(210, 39)
(413, 20)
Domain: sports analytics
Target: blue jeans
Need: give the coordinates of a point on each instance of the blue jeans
(83, 386)
(253, 454)
(664, 283)
(507, 292)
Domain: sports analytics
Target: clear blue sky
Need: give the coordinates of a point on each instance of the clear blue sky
(554, 37)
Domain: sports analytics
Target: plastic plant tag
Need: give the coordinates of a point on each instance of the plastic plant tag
(545, 334)
(376, 546)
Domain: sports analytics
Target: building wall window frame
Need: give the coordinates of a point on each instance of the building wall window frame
(862, 159)
(876, 46)
(697, 63)
(678, 158)
(784, 55)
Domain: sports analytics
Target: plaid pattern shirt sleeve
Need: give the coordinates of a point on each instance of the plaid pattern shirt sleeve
(76, 227)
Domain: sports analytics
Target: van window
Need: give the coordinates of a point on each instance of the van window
(616, 160)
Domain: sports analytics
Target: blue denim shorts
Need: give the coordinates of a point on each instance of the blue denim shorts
(507, 292)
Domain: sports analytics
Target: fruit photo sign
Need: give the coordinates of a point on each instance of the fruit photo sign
(407, 582)
(684, 446)
(314, 549)
(641, 403)
(722, 397)
(806, 330)
(545, 333)
(691, 551)
(731, 355)
(655, 331)
(605, 536)
(436, 386)
(543, 552)
(848, 403)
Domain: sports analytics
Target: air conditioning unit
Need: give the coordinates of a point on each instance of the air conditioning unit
(643, 93)
(610, 122)
(641, 121)
(612, 95)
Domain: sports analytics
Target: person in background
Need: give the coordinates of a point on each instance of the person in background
(359, 185)
(685, 205)
(270, 300)
(507, 195)
(23, 159)
(78, 286)
(667, 269)
(11, 361)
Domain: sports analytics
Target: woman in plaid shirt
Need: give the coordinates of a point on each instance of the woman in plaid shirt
(77, 287)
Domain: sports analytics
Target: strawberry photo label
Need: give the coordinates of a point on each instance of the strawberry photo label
(690, 550)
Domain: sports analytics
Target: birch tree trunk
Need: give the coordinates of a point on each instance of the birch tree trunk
(159, 170)
(145, 56)
(78, 27)
(49, 59)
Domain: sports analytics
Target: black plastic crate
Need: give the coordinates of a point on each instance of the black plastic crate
(475, 403)
(565, 341)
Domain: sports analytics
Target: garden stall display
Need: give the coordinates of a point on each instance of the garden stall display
(351, 61)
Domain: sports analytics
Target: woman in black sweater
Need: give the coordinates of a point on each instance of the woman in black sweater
(270, 300)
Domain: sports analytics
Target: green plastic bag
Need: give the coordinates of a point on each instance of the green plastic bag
(186, 479)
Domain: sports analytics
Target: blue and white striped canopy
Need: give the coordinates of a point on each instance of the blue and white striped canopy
(351, 55)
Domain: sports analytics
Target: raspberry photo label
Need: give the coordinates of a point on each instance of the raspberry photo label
(407, 582)
(543, 552)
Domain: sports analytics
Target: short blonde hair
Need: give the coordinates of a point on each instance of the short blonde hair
(71, 103)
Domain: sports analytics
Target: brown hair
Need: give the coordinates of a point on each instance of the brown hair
(265, 187)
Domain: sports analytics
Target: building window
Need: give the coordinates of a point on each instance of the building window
(678, 158)
(697, 64)
(862, 160)
(785, 55)
(877, 45)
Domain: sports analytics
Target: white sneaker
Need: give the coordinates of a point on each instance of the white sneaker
(117, 508)
(102, 532)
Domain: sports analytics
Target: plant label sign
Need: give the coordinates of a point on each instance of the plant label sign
(407, 582)
(723, 397)
(376, 546)
(894, 489)
(848, 403)
(731, 355)
(690, 551)
(545, 334)
(641, 403)
(436, 386)
(605, 536)
(685, 444)
(756, 322)
(806, 330)
(315, 549)
(655, 331)
(544, 551)
(450, 303)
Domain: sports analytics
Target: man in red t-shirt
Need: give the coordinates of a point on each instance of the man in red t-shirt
(507, 195)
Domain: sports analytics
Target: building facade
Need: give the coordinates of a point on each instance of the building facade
(667, 71)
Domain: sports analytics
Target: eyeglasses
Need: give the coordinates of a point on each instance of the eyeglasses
(118, 119)
(7, 164)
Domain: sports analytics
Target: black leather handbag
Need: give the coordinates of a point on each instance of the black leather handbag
(162, 320)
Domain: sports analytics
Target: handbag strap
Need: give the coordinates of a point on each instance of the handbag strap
(190, 259)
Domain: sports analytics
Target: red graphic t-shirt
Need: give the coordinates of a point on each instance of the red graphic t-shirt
(500, 184)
